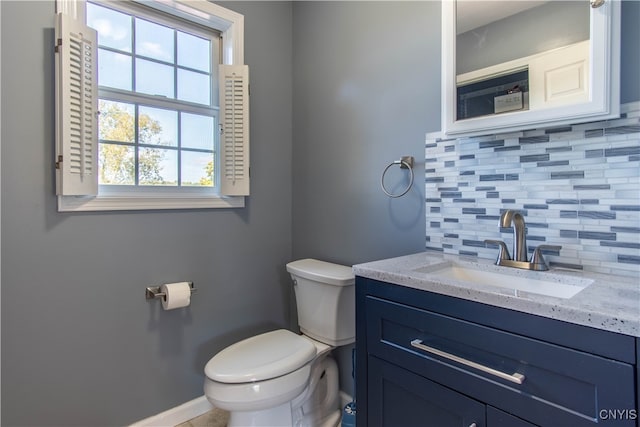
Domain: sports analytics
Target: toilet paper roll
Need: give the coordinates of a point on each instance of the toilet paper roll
(176, 295)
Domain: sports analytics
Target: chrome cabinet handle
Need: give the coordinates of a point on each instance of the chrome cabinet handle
(514, 378)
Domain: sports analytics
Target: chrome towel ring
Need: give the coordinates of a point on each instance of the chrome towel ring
(406, 162)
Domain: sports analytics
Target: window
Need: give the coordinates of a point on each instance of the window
(157, 94)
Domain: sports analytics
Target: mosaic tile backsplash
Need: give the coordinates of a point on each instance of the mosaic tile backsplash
(577, 186)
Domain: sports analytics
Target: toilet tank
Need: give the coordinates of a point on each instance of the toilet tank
(325, 297)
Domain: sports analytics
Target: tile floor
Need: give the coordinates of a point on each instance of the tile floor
(214, 418)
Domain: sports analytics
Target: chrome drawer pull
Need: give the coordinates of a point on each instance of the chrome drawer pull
(514, 378)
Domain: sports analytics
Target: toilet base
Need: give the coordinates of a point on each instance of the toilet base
(278, 416)
(317, 406)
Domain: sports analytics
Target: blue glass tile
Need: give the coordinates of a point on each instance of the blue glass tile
(434, 209)
(561, 201)
(433, 200)
(467, 173)
(592, 187)
(434, 224)
(464, 200)
(568, 214)
(493, 177)
(567, 175)
(427, 171)
(566, 265)
(488, 217)
(436, 179)
(534, 139)
(493, 195)
(535, 206)
(450, 194)
(554, 163)
(468, 253)
(430, 160)
(508, 201)
(558, 149)
(596, 215)
(449, 163)
(621, 151)
(558, 130)
(627, 245)
(512, 177)
(629, 259)
(451, 235)
(550, 251)
(485, 188)
(432, 145)
(596, 235)
(534, 158)
(634, 158)
(467, 157)
(628, 208)
(537, 225)
(451, 220)
(569, 234)
(592, 154)
(589, 202)
(433, 249)
(474, 243)
(622, 130)
(474, 211)
(449, 148)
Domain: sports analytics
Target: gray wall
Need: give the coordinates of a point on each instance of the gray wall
(80, 345)
(366, 89)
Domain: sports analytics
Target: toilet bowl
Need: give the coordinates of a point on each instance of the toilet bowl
(280, 378)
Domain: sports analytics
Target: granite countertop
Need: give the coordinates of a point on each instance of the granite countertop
(611, 303)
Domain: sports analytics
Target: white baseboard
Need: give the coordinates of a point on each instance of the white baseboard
(177, 415)
(194, 408)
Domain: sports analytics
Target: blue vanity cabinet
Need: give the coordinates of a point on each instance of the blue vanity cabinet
(434, 360)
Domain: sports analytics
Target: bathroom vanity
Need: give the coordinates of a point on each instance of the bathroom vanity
(436, 350)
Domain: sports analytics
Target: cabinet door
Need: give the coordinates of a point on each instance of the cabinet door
(498, 418)
(399, 398)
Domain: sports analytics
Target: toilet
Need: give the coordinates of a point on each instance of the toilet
(280, 378)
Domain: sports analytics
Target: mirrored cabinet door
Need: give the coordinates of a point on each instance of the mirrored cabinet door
(516, 65)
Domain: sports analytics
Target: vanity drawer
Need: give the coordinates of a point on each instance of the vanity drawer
(543, 383)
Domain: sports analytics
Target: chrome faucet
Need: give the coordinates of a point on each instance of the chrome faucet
(507, 219)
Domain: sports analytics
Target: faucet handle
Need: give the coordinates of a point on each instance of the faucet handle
(537, 257)
(503, 252)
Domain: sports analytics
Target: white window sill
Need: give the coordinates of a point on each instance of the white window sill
(147, 202)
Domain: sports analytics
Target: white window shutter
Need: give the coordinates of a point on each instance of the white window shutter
(234, 140)
(76, 89)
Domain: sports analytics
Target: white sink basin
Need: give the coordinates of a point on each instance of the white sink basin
(511, 279)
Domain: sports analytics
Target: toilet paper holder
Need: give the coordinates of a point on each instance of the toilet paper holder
(153, 292)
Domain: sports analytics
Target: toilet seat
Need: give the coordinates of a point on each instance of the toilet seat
(261, 357)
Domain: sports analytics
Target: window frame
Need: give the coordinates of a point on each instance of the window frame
(230, 25)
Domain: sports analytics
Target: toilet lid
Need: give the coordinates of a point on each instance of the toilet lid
(261, 357)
